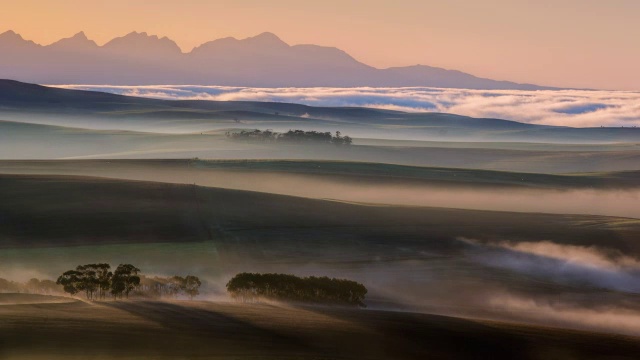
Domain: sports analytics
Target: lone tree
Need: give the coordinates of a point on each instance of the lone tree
(189, 285)
(89, 279)
(124, 280)
(192, 286)
(71, 281)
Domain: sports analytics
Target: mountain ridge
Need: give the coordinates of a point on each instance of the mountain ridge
(264, 60)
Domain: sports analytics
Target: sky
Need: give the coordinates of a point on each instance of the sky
(564, 43)
(578, 108)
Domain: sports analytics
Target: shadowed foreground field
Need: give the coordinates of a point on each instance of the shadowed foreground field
(40, 211)
(560, 270)
(604, 193)
(177, 330)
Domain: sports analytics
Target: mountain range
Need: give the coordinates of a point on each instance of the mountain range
(261, 61)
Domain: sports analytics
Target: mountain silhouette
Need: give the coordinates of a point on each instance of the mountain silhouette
(142, 45)
(77, 43)
(264, 60)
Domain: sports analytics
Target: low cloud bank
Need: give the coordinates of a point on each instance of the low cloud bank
(580, 265)
(578, 108)
(613, 319)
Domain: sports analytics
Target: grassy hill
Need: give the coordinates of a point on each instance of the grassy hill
(442, 176)
(64, 210)
(345, 171)
(19, 141)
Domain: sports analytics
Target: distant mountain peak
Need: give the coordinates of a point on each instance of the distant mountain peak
(266, 38)
(10, 37)
(81, 35)
(10, 34)
(76, 42)
(141, 42)
(265, 41)
(140, 35)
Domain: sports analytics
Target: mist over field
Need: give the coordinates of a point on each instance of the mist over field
(297, 180)
(578, 108)
(473, 218)
(499, 196)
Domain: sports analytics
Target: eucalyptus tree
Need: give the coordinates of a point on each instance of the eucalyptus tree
(191, 286)
(251, 287)
(71, 281)
(104, 276)
(124, 280)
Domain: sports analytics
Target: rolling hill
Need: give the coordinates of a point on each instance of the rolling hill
(94, 110)
(409, 257)
(123, 211)
(176, 330)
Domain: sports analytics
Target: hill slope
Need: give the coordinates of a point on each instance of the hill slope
(170, 330)
(136, 211)
(408, 257)
(95, 110)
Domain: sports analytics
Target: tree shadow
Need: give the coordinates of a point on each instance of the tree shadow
(407, 335)
(205, 331)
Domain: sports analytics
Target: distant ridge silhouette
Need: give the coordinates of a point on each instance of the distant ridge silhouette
(264, 60)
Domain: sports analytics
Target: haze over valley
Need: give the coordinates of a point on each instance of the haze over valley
(251, 198)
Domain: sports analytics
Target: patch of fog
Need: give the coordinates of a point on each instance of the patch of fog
(613, 202)
(611, 319)
(580, 108)
(569, 264)
(455, 286)
(588, 256)
(20, 273)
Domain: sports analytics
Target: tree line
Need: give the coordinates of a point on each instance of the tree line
(172, 287)
(291, 137)
(250, 287)
(33, 286)
(97, 281)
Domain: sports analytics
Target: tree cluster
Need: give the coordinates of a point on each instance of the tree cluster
(96, 281)
(33, 286)
(291, 137)
(249, 287)
(172, 287)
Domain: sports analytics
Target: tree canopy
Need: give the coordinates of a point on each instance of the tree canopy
(124, 280)
(322, 290)
(291, 137)
(96, 280)
(33, 286)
